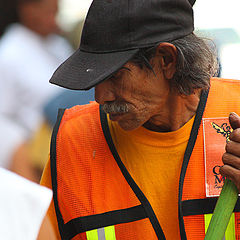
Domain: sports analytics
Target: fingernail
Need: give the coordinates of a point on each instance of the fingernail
(233, 114)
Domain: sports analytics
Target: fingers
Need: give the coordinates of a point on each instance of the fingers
(235, 135)
(234, 120)
(233, 147)
(231, 168)
(231, 159)
(231, 173)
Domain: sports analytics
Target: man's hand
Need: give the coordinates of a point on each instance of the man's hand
(231, 158)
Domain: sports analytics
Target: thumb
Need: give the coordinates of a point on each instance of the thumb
(234, 120)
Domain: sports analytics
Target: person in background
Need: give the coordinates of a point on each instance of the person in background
(23, 207)
(40, 141)
(74, 35)
(14, 150)
(131, 166)
(31, 48)
(39, 144)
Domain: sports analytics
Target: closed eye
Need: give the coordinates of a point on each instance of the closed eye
(119, 73)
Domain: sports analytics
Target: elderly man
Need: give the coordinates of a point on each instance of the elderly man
(132, 165)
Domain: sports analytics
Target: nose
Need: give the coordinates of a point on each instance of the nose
(104, 92)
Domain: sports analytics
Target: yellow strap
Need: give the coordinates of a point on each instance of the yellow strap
(110, 233)
(92, 235)
(230, 231)
(207, 219)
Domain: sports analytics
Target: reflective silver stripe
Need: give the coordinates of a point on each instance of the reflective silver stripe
(101, 234)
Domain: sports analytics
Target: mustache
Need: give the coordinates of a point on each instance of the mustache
(115, 108)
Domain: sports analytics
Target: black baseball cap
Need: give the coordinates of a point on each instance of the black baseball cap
(115, 30)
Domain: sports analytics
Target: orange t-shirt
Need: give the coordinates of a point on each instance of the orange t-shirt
(154, 161)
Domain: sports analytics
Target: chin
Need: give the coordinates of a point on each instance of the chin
(128, 126)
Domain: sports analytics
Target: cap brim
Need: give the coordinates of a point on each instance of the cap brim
(84, 70)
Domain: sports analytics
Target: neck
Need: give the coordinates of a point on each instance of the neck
(177, 111)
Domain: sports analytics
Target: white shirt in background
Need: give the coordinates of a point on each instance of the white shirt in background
(23, 206)
(12, 136)
(27, 62)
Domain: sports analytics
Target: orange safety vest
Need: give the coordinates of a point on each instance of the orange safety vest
(96, 198)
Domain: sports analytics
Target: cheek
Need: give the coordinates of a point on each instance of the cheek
(143, 91)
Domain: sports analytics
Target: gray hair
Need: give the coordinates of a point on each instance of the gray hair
(196, 63)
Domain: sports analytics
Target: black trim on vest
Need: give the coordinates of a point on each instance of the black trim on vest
(53, 158)
(187, 155)
(87, 223)
(84, 224)
(142, 198)
(203, 206)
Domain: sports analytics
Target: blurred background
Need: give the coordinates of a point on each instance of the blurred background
(36, 36)
(28, 103)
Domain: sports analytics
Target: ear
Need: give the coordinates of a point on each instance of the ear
(167, 53)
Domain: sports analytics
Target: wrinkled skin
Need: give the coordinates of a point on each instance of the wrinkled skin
(143, 95)
(146, 97)
(231, 158)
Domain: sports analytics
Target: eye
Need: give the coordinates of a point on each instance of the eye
(125, 68)
(119, 73)
(115, 76)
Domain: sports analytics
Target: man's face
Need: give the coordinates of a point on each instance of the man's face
(41, 16)
(133, 96)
